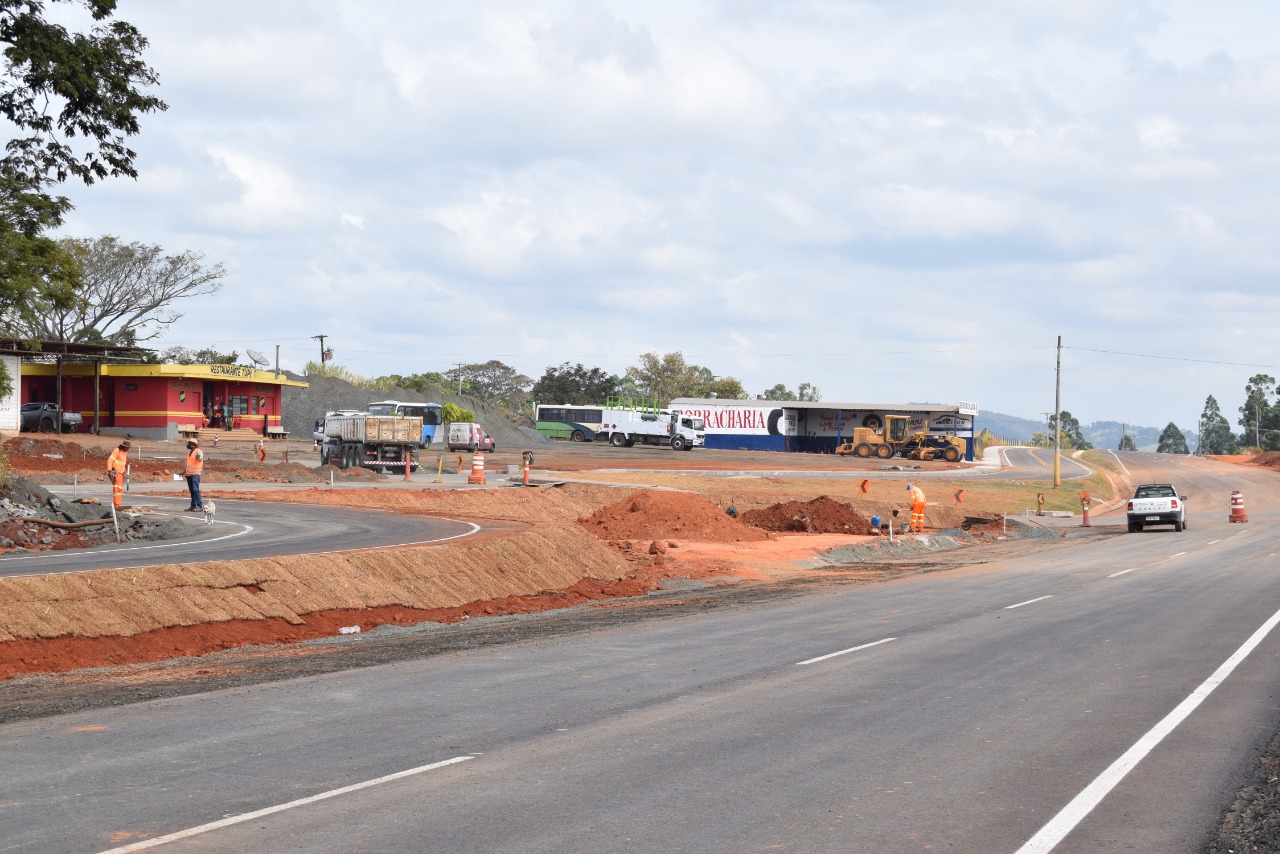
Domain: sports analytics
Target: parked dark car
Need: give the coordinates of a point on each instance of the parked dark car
(43, 417)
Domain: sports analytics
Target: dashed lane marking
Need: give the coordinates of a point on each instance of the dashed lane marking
(844, 651)
(250, 816)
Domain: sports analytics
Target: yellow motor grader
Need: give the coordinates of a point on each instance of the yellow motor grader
(894, 441)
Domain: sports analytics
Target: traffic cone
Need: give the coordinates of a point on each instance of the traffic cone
(1237, 507)
(477, 469)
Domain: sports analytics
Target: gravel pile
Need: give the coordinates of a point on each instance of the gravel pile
(304, 406)
(23, 501)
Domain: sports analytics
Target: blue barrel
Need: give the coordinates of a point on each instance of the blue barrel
(875, 522)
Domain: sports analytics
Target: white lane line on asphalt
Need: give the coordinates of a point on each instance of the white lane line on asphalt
(246, 529)
(1082, 804)
(843, 651)
(250, 816)
(1122, 572)
(1179, 554)
(1211, 542)
(1028, 602)
(1120, 461)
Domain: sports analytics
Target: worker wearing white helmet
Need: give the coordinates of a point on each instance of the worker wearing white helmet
(917, 508)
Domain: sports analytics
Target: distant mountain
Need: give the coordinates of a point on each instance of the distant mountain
(1101, 434)
(1007, 426)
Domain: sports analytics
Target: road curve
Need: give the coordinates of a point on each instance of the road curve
(247, 529)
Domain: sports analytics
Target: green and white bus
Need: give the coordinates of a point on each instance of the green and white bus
(566, 421)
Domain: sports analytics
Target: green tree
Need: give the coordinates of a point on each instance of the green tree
(126, 293)
(664, 378)
(1071, 436)
(1215, 431)
(576, 384)
(1172, 441)
(1256, 412)
(779, 392)
(494, 382)
(451, 412)
(421, 383)
(1126, 443)
(72, 100)
(1271, 440)
(808, 392)
(183, 356)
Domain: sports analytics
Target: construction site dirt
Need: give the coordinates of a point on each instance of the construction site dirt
(674, 555)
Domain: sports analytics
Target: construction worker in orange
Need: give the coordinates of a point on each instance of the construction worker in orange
(117, 463)
(917, 508)
(195, 468)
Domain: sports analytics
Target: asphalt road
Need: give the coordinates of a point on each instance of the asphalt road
(959, 711)
(245, 529)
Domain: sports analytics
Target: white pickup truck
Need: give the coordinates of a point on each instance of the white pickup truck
(1157, 504)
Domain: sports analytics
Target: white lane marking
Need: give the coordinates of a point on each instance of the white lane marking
(1082, 804)
(843, 651)
(1122, 572)
(1028, 602)
(1119, 461)
(1211, 542)
(169, 545)
(250, 816)
(1179, 554)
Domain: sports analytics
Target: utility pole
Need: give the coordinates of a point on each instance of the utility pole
(1057, 419)
(320, 338)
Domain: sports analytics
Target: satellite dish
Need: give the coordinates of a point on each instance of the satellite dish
(257, 357)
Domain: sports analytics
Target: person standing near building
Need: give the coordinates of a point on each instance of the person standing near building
(117, 466)
(195, 468)
(917, 508)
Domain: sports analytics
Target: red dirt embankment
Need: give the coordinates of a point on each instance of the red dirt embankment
(545, 560)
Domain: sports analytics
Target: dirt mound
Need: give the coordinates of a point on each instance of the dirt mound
(822, 515)
(1266, 459)
(652, 515)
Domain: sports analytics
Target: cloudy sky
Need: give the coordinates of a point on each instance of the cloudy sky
(904, 200)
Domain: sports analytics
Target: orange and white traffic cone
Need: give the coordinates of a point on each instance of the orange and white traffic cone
(1237, 507)
(477, 469)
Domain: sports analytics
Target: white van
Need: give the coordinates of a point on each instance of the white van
(469, 436)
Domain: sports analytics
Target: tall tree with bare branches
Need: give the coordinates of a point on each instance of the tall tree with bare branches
(127, 292)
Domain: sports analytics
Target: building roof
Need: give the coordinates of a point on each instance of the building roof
(68, 350)
(233, 373)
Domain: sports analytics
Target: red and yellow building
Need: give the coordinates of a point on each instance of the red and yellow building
(153, 401)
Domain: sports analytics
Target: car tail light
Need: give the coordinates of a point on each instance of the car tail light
(1174, 503)
(1130, 505)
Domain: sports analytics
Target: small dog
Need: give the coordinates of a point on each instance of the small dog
(209, 509)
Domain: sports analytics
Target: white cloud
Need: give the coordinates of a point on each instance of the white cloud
(753, 184)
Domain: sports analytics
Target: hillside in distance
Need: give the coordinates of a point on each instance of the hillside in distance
(1101, 434)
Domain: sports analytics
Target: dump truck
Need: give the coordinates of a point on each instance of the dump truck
(377, 442)
(894, 440)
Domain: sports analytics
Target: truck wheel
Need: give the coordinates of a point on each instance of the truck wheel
(324, 455)
(577, 436)
(884, 452)
(630, 442)
(862, 449)
(677, 443)
(1133, 528)
(951, 454)
(617, 440)
(46, 425)
(1177, 527)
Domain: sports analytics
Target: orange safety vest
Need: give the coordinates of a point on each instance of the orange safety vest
(917, 497)
(195, 462)
(117, 462)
